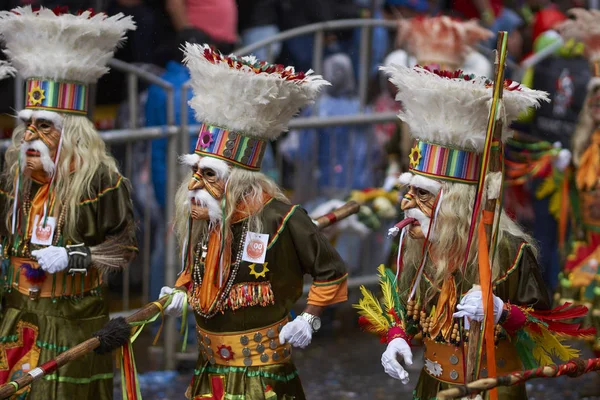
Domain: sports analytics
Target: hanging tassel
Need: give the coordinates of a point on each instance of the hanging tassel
(184, 325)
(129, 381)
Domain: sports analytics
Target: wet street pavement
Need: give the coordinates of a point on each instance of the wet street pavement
(344, 363)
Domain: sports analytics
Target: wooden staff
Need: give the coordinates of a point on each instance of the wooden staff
(117, 331)
(113, 333)
(573, 368)
(338, 214)
(494, 165)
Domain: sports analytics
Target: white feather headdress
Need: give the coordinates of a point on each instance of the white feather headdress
(245, 95)
(453, 110)
(63, 47)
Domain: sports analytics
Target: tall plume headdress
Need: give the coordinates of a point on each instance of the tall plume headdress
(242, 103)
(60, 54)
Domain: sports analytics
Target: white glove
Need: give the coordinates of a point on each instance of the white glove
(389, 359)
(52, 259)
(175, 308)
(562, 160)
(471, 306)
(298, 333)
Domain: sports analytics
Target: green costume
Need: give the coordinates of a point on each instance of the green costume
(66, 212)
(262, 296)
(247, 250)
(67, 309)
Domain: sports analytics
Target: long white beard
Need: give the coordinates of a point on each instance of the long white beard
(45, 158)
(423, 219)
(204, 199)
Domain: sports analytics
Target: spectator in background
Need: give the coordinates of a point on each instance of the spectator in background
(496, 17)
(205, 21)
(257, 21)
(343, 157)
(405, 8)
(298, 51)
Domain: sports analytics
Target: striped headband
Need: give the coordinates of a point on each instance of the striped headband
(234, 147)
(439, 162)
(65, 97)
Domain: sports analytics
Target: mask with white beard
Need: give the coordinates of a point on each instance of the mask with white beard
(33, 150)
(206, 187)
(203, 206)
(424, 220)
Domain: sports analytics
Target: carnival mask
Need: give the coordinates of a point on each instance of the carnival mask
(418, 203)
(39, 146)
(206, 187)
(594, 105)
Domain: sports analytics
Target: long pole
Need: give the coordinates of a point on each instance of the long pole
(573, 368)
(491, 163)
(74, 353)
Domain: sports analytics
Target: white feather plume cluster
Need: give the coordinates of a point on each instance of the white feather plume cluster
(64, 47)
(454, 111)
(441, 39)
(6, 70)
(584, 27)
(243, 99)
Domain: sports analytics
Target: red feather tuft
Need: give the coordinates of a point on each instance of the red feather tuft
(554, 320)
(563, 312)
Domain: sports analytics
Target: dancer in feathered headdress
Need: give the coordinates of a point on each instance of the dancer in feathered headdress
(580, 279)
(245, 249)
(437, 43)
(434, 291)
(67, 213)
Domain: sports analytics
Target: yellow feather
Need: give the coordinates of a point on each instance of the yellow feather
(549, 345)
(370, 308)
(547, 187)
(555, 204)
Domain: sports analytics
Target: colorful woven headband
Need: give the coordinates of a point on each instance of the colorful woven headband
(240, 150)
(64, 97)
(439, 162)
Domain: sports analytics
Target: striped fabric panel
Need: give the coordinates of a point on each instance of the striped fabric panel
(66, 97)
(239, 149)
(445, 163)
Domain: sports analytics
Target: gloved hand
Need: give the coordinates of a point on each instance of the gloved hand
(80, 257)
(298, 333)
(52, 259)
(389, 359)
(175, 308)
(471, 306)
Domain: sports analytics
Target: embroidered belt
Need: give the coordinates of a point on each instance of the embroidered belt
(55, 285)
(444, 362)
(256, 347)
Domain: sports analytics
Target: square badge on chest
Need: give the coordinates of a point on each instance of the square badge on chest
(255, 247)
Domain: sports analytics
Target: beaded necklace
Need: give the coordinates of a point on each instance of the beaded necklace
(198, 273)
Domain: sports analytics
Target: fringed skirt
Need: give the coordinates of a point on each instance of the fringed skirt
(272, 382)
